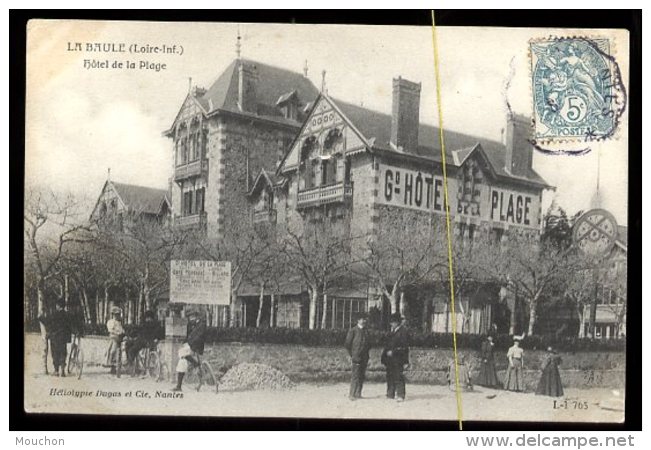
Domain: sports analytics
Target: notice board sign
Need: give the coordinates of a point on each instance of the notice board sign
(200, 282)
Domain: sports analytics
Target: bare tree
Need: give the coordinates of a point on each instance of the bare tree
(392, 259)
(319, 256)
(244, 249)
(52, 222)
(137, 253)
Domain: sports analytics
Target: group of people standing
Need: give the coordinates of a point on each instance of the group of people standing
(395, 358)
(550, 381)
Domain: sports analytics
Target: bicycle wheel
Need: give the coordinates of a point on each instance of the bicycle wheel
(192, 378)
(208, 377)
(140, 363)
(72, 356)
(77, 363)
(153, 366)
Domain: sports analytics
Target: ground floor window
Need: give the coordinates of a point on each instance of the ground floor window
(218, 315)
(346, 311)
(603, 330)
(288, 314)
(469, 319)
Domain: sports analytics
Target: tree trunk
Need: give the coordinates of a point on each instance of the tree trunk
(393, 300)
(324, 323)
(314, 296)
(66, 292)
(143, 305)
(233, 307)
(272, 314)
(128, 306)
(41, 313)
(580, 310)
(403, 306)
(513, 315)
(426, 316)
(533, 315)
(106, 305)
(98, 309)
(258, 319)
(83, 299)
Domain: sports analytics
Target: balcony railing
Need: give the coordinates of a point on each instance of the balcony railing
(193, 221)
(264, 216)
(333, 193)
(190, 169)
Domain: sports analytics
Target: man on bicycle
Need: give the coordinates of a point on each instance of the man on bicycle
(145, 336)
(191, 352)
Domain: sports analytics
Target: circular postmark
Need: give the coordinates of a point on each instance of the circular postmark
(578, 91)
(595, 232)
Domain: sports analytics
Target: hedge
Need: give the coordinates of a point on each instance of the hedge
(336, 338)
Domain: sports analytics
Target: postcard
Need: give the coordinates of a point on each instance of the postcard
(326, 221)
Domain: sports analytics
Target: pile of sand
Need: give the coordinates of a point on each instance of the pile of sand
(248, 376)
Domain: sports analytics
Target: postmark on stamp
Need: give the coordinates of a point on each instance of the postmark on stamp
(578, 93)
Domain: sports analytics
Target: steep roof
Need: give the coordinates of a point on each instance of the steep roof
(622, 235)
(376, 127)
(141, 198)
(273, 83)
(264, 177)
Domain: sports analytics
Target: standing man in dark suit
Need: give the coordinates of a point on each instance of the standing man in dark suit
(395, 356)
(59, 329)
(357, 344)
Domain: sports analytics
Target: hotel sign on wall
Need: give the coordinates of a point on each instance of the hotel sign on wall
(200, 282)
(424, 191)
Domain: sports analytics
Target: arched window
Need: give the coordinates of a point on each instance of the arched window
(332, 148)
(307, 162)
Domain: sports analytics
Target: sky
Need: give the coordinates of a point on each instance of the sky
(82, 122)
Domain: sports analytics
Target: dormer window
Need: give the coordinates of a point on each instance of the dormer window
(289, 105)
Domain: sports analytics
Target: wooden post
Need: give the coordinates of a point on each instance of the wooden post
(593, 303)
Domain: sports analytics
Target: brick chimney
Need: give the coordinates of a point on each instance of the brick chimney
(405, 114)
(247, 81)
(519, 151)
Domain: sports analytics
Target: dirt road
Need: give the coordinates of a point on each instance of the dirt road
(100, 393)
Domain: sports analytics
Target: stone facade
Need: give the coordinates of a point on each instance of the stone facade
(362, 174)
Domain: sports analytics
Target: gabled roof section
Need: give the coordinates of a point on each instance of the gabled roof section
(141, 199)
(286, 97)
(315, 104)
(272, 84)
(622, 237)
(265, 178)
(376, 127)
(190, 99)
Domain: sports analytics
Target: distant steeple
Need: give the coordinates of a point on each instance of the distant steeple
(238, 44)
(108, 175)
(323, 81)
(305, 69)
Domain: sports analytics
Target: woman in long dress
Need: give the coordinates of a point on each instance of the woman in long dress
(515, 355)
(487, 372)
(550, 383)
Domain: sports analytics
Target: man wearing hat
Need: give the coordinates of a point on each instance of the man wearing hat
(357, 344)
(116, 333)
(59, 330)
(145, 337)
(192, 350)
(395, 356)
